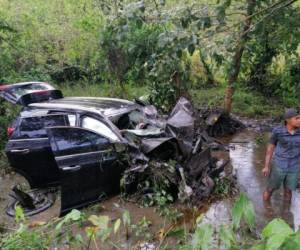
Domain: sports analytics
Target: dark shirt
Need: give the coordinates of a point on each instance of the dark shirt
(287, 151)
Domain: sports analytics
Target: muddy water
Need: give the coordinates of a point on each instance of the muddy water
(247, 157)
(247, 153)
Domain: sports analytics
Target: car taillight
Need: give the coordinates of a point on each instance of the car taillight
(10, 131)
(3, 87)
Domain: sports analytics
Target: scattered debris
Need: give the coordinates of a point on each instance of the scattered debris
(33, 202)
(219, 123)
(173, 154)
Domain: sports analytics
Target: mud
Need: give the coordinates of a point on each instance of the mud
(6, 184)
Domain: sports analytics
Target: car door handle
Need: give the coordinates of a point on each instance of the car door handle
(20, 151)
(72, 168)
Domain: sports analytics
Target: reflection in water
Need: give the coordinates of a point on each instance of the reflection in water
(295, 209)
(247, 159)
(219, 213)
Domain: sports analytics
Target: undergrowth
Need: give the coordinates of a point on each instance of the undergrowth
(77, 230)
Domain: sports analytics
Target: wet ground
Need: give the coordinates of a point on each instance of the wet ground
(247, 150)
(247, 155)
(7, 182)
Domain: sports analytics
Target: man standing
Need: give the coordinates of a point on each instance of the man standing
(285, 143)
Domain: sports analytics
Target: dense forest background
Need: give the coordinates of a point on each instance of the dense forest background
(158, 49)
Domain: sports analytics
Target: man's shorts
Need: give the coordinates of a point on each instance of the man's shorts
(279, 176)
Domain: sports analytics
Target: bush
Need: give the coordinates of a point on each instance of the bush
(8, 113)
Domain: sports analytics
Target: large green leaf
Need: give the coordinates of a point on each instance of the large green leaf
(19, 214)
(74, 215)
(274, 242)
(243, 208)
(276, 232)
(276, 227)
(117, 225)
(126, 218)
(202, 238)
(227, 237)
(292, 242)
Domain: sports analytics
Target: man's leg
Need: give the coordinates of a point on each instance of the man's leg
(275, 180)
(287, 194)
(290, 184)
(267, 194)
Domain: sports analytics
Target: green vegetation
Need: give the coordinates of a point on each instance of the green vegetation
(170, 48)
(77, 230)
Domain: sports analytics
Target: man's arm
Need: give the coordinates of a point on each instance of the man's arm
(269, 154)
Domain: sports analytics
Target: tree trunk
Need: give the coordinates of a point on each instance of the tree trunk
(210, 78)
(236, 62)
(181, 90)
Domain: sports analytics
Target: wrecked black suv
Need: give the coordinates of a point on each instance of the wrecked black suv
(71, 142)
(86, 145)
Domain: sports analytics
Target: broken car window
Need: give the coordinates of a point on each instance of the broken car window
(99, 127)
(133, 120)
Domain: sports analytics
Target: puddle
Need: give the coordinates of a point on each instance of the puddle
(247, 158)
(218, 213)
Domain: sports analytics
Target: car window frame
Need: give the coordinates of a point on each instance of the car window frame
(17, 133)
(82, 116)
(59, 152)
(65, 112)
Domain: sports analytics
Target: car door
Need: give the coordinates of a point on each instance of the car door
(85, 160)
(29, 92)
(29, 152)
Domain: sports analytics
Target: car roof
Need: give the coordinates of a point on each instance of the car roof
(108, 107)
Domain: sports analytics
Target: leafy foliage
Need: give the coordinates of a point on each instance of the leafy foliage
(79, 231)
(227, 236)
(276, 233)
(55, 40)
(141, 47)
(243, 209)
(169, 46)
(273, 37)
(7, 115)
(202, 237)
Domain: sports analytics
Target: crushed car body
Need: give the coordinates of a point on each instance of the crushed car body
(87, 145)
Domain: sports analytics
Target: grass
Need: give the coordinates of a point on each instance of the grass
(103, 90)
(245, 103)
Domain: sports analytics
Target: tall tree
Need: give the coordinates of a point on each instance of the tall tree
(237, 57)
(276, 35)
(244, 37)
